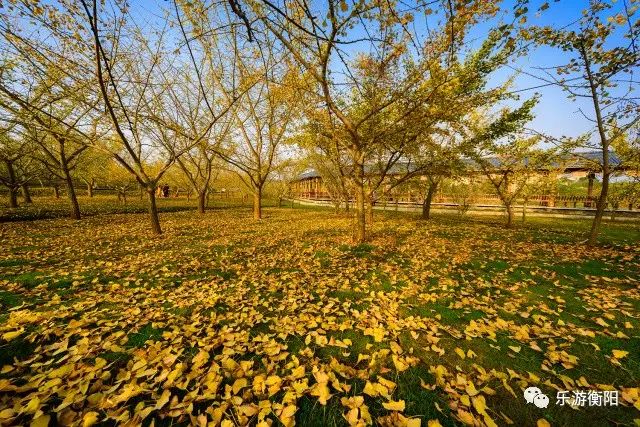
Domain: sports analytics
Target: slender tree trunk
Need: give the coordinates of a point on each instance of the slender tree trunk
(604, 142)
(369, 209)
(614, 210)
(122, 195)
(257, 203)
(509, 215)
(153, 211)
(426, 204)
(13, 197)
(71, 192)
(26, 193)
(202, 201)
(601, 204)
(90, 188)
(13, 187)
(56, 191)
(524, 210)
(360, 234)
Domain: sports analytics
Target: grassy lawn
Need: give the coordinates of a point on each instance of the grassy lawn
(225, 319)
(48, 207)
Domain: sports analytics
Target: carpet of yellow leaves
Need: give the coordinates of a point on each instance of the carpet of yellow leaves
(228, 321)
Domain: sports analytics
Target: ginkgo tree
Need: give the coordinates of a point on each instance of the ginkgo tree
(507, 159)
(16, 162)
(263, 120)
(601, 60)
(376, 86)
(123, 73)
(58, 123)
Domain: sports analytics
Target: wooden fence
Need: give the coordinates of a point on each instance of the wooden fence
(487, 200)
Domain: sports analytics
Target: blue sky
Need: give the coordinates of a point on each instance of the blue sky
(555, 114)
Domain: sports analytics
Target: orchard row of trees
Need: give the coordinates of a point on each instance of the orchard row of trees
(364, 88)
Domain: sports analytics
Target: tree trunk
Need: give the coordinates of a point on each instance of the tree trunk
(13, 197)
(71, 193)
(426, 204)
(90, 188)
(360, 232)
(153, 211)
(12, 185)
(56, 191)
(509, 216)
(26, 193)
(601, 204)
(202, 201)
(604, 142)
(257, 203)
(369, 210)
(524, 210)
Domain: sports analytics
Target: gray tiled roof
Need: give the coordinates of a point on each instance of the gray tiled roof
(576, 161)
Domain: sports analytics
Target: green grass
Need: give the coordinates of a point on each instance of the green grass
(233, 287)
(146, 333)
(18, 348)
(9, 299)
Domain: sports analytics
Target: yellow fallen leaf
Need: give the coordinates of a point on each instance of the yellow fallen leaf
(32, 406)
(395, 348)
(5, 414)
(390, 385)
(369, 389)
(434, 423)
(239, 384)
(466, 417)
(399, 364)
(352, 416)
(489, 421)
(460, 352)
(322, 392)
(90, 418)
(8, 336)
(466, 401)
(249, 410)
(480, 404)
(543, 423)
(470, 388)
(394, 405)
(41, 421)
(619, 354)
(164, 398)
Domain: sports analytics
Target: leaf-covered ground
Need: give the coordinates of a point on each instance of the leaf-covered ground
(48, 207)
(228, 320)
